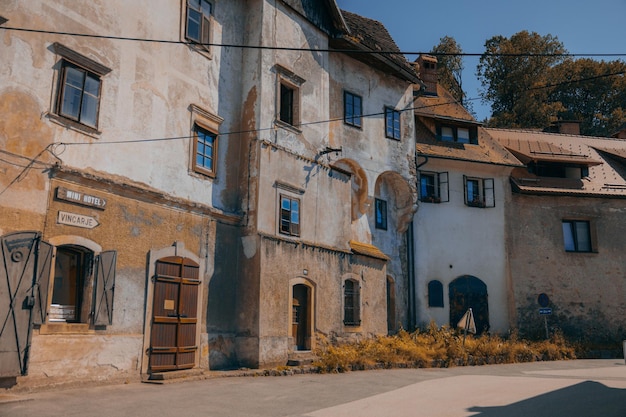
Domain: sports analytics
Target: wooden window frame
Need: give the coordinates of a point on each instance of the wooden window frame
(440, 187)
(210, 123)
(89, 69)
(288, 81)
(380, 208)
(205, 24)
(351, 116)
(485, 195)
(351, 303)
(290, 228)
(393, 123)
(212, 171)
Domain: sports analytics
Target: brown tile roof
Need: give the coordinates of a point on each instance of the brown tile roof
(606, 178)
(443, 108)
(367, 250)
(370, 35)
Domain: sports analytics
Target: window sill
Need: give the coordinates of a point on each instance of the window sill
(65, 328)
(203, 173)
(205, 51)
(287, 126)
(431, 200)
(71, 124)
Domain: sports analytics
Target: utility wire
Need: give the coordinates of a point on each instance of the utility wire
(280, 48)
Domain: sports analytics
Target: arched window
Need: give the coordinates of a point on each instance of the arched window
(435, 294)
(351, 303)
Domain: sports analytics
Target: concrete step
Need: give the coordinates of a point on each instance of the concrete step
(164, 377)
(301, 358)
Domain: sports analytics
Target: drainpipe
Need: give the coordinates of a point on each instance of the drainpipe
(410, 236)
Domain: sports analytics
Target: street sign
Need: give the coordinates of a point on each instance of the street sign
(78, 220)
(545, 311)
(543, 300)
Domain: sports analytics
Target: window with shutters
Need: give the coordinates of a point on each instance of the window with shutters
(79, 90)
(288, 98)
(351, 303)
(289, 216)
(82, 286)
(479, 192)
(433, 187)
(198, 23)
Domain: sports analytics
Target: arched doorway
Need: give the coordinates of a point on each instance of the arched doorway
(173, 343)
(469, 292)
(301, 318)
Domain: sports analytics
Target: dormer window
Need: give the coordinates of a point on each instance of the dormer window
(458, 134)
(557, 170)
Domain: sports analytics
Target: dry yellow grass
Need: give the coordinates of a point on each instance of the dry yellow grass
(436, 347)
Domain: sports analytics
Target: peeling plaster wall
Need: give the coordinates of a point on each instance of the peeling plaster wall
(452, 240)
(587, 291)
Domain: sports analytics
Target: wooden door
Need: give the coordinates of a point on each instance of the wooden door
(173, 342)
(469, 292)
(301, 317)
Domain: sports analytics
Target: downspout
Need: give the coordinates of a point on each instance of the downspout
(410, 248)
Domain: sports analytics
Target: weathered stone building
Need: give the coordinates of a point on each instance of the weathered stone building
(169, 202)
(566, 234)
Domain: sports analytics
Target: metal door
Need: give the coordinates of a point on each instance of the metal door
(23, 297)
(173, 342)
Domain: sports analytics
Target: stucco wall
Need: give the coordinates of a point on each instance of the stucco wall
(587, 290)
(452, 240)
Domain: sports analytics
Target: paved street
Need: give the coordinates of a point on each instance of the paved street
(589, 388)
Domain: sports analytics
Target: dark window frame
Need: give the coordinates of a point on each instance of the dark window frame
(201, 134)
(574, 242)
(352, 113)
(393, 123)
(482, 192)
(81, 115)
(351, 303)
(286, 217)
(435, 192)
(472, 131)
(380, 214)
(435, 294)
(197, 15)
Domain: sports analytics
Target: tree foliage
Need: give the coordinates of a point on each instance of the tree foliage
(450, 68)
(531, 81)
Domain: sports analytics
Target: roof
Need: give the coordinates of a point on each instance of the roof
(366, 36)
(367, 250)
(443, 108)
(604, 157)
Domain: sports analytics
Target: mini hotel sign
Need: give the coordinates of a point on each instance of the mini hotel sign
(75, 219)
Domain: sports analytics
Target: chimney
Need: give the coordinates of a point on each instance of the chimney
(427, 71)
(567, 127)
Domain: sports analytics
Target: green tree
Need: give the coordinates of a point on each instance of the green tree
(513, 73)
(592, 92)
(450, 69)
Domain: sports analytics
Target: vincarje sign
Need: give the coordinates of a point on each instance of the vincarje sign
(78, 220)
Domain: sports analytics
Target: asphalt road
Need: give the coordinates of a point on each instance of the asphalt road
(580, 388)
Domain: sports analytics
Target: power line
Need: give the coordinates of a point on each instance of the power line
(282, 48)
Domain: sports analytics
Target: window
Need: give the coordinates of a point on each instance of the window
(351, 303)
(352, 109)
(77, 296)
(198, 21)
(205, 149)
(79, 89)
(433, 187)
(435, 294)
(381, 213)
(557, 170)
(392, 123)
(576, 236)
(479, 192)
(446, 133)
(288, 98)
(79, 97)
(289, 216)
(287, 104)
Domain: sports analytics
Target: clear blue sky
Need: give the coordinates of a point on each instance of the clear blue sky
(583, 26)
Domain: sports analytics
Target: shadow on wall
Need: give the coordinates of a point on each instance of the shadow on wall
(581, 400)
